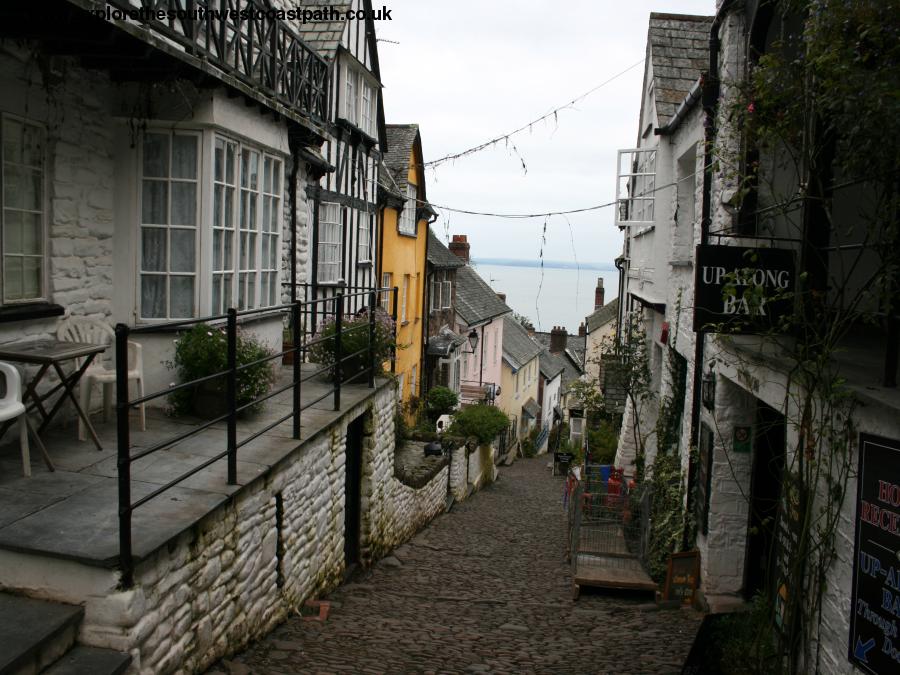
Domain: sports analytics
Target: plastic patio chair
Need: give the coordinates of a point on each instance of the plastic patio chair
(93, 331)
(11, 407)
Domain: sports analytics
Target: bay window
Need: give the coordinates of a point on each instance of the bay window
(168, 225)
(242, 228)
(22, 212)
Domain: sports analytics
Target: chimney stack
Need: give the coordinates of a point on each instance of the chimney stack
(559, 336)
(598, 294)
(582, 330)
(502, 296)
(460, 247)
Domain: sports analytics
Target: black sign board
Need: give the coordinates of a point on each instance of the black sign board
(682, 577)
(761, 283)
(563, 457)
(875, 613)
(788, 528)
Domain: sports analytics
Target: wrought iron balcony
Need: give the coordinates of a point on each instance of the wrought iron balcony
(242, 39)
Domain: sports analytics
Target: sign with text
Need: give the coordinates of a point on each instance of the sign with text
(742, 290)
(875, 613)
(682, 577)
(788, 556)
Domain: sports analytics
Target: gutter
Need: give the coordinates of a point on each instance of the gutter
(684, 108)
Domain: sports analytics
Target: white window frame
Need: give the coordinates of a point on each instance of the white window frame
(169, 227)
(360, 96)
(331, 214)
(250, 279)
(635, 186)
(406, 224)
(41, 256)
(364, 232)
(441, 291)
(386, 279)
(412, 380)
(404, 298)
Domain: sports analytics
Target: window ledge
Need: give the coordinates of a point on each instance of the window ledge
(147, 328)
(30, 311)
(364, 263)
(404, 323)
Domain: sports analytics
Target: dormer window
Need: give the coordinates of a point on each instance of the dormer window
(359, 99)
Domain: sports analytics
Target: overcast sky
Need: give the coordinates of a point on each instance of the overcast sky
(467, 71)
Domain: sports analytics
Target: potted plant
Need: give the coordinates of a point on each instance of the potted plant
(355, 342)
(203, 351)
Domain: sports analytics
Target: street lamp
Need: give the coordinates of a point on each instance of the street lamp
(473, 341)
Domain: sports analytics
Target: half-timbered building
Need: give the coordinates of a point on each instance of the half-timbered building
(343, 209)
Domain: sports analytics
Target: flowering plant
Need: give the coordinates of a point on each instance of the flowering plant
(203, 351)
(354, 343)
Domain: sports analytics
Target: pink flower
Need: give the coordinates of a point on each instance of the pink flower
(751, 108)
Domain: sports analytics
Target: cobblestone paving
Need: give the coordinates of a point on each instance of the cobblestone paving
(483, 589)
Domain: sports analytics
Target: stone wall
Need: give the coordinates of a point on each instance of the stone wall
(246, 566)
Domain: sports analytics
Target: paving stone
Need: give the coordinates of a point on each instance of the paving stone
(482, 589)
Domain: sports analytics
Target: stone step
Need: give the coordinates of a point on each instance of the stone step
(83, 660)
(34, 633)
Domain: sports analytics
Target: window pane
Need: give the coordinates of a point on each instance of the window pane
(32, 234)
(31, 281)
(267, 211)
(264, 245)
(217, 294)
(218, 205)
(33, 146)
(13, 187)
(156, 155)
(12, 277)
(219, 160)
(217, 249)
(267, 175)
(183, 250)
(251, 224)
(276, 177)
(184, 204)
(32, 192)
(153, 247)
(12, 141)
(154, 203)
(12, 231)
(229, 163)
(229, 251)
(153, 296)
(182, 297)
(184, 156)
(227, 290)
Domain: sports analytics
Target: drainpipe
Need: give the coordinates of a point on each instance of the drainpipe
(292, 196)
(710, 99)
(620, 265)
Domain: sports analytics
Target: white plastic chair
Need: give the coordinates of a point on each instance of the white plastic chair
(11, 407)
(92, 331)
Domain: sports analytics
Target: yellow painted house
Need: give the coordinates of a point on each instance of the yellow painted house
(405, 215)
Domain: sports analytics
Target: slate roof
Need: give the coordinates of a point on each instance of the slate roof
(551, 365)
(444, 343)
(518, 347)
(475, 300)
(400, 139)
(678, 48)
(572, 358)
(323, 36)
(439, 256)
(603, 315)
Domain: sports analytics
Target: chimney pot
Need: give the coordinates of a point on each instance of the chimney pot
(559, 336)
(582, 329)
(459, 246)
(502, 296)
(599, 294)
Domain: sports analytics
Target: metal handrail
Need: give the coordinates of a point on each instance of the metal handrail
(125, 458)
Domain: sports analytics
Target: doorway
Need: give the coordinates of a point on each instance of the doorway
(765, 492)
(352, 492)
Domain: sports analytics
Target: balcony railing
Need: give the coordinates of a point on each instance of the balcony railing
(303, 342)
(244, 39)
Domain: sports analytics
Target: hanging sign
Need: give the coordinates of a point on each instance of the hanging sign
(875, 612)
(742, 290)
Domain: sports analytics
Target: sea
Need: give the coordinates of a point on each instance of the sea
(554, 296)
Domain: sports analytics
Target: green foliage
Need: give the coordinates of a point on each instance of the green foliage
(441, 401)
(603, 440)
(529, 447)
(480, 420)
(203, 351)
(667, 514)
(354, 338)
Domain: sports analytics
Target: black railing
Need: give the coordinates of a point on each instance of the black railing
(246, 40)
(303, 342)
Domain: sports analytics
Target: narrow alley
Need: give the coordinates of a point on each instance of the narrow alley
(485, 588)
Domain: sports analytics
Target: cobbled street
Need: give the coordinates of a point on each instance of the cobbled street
(485, 588)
